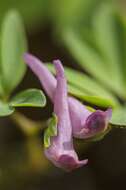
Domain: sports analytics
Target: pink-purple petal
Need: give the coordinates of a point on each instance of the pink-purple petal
(47, 80)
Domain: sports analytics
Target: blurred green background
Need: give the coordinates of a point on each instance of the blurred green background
(22, 163)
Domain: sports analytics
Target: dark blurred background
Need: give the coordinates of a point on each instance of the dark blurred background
(22, 163)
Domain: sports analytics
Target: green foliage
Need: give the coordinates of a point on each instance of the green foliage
(86, 89)
(29, 98)
(90, 60)
(61, 13)
(93, 100)
(70, 12)
(106, 38)
(51, 130)
(26, 98)
(13, 46)
(119, 117)
(102, 61)
(1, 87)
(5, 109)
(33, 12)
(12, 67)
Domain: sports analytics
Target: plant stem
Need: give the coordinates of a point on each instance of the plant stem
(28, 126)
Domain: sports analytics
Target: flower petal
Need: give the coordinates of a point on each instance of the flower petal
(40, 70)
(78, 113)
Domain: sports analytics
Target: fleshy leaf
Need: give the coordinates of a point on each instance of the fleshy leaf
(29, 98)
(5, 109)
(13, 46)
(119, 117)
(51, 130)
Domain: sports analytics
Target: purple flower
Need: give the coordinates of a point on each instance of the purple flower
(61, 151)
(85, 124)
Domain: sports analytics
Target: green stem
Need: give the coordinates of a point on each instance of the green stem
(28, 126)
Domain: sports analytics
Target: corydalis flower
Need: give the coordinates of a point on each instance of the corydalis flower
(85, 124)
(61, 151)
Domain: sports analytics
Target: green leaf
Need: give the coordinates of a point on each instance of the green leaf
(87, 89)
(119, 117)
(86, 84)
(90, 109)
(83, 53)
(124, 58)
(106, 37)
(5, 109)
(33, 13)
(13, 46)
(89, 59)
(121, 22)
(1, 88)
(29, 98)
(70, 12)
(51, 130)
(94, 100)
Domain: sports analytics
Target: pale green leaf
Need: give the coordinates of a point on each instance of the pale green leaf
(89, 59)
(13, 46)
(50, 131)
(29, 98)
(106, 37)
(86, 84)
(87, 89)
(5, 109)
(94, 100)
(119, 117)
(121, 22)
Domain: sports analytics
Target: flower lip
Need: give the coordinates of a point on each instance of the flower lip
(69, 163)
(95, 123)
(66, 161)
